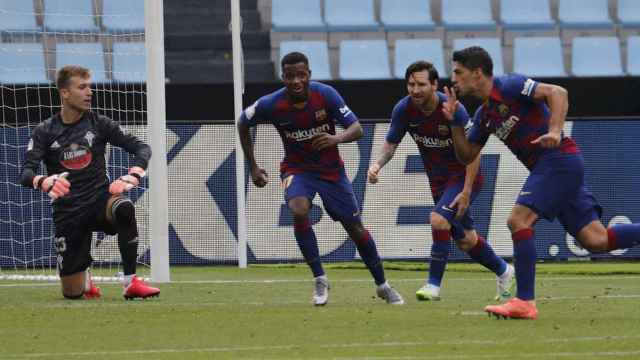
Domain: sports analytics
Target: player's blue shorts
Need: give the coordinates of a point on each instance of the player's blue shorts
(337, 196)
(556, 188)
(442, 207)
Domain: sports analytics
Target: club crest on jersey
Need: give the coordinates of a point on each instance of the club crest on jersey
(321, 115)
(503, 110)
(89, 136)
(443, 130)
(75, 157)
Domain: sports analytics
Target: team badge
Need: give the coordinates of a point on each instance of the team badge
(443, 130)
(503, 110)
(75, 157)
(321, 115)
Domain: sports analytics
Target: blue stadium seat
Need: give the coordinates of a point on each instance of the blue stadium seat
(629, 13)
(406, 15)
(89, 55)
(409, 50)
(124, 16)
(17, 16)
(296, 15)
(633, 55)
(129, 62)
(364, 59)
(69, 16)
(538, 56)
(492, 45)
(22, 63)
(350, 15)
(593, 14)
(467, 15)
(316, 51)
(526, 14)
(596, 56)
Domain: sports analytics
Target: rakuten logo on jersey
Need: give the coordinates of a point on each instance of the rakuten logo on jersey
(306, 134)
(432, 142)
(505, 128)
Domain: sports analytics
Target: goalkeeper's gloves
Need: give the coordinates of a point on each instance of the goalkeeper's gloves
(127, 182)
(56, 186)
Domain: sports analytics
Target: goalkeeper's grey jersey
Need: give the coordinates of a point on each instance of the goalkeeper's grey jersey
(78, 149)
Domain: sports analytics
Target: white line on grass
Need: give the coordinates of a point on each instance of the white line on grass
(93, 354)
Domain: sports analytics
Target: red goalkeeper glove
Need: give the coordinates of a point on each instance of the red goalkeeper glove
(127, 182)
(56, 186)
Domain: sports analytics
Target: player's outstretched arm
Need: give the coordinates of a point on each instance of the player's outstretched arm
(259, 176)
(465, 150)
(557, 98)
(388, 150)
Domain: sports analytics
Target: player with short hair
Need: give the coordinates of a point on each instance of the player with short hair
(528, 117)
(305, 114)
(453, 186)
(72, 145)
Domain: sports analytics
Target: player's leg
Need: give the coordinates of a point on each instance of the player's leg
(73, 245)
(441, 235)
(120, 217)
(299, 192)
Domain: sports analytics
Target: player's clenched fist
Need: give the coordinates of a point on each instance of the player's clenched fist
(127, 182)
(372, 174)
(55, 186)
(259, 177)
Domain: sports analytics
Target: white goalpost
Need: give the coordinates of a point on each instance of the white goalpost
(122, 43)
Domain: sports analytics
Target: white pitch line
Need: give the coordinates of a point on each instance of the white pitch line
(93, 354)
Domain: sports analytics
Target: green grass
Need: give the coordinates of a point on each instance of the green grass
(587, 310)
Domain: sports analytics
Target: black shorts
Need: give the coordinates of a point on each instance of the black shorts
(73, 236)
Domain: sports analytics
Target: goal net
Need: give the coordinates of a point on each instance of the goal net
(38, 37)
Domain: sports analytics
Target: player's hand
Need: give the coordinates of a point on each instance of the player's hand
(324, 140)
(372, 174)
(259, 177)
(449, 107)
(56, 186)
(462, 201)
(549, 140)
(127, 182)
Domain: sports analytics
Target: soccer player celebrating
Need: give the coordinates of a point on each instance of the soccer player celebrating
(528, 117)
(453, 186)
(305, 114)
(72, 146)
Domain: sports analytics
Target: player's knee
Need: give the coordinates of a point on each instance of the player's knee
(300, 212)
(467, 243)
(438, 222)
(595, 242)
(123, 212)
(516, 223)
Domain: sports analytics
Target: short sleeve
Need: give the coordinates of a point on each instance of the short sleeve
(338, 108)
(517, 86)
(477, 133)
(398, 127)
(255, 113)
(460, 117)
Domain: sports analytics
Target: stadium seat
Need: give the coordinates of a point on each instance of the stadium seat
(538, 56)
(69, 16)
(526, 14)
(17, 16)
(350, 15)
(584, 14)
(492, 45)
(316, 51)
(633, 55)
(22, 63)
(296, 15)
(629, 13)
(596, 56)
(364, 59)
(467, 15)
(129, 62)
(124, 16)
(406, 15)
(409, 50)
(89, 55)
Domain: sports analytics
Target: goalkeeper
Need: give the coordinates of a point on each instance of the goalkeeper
(72, 146)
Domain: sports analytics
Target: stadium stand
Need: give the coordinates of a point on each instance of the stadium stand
(526, 18)
(364, 59)
(22, 63)
(123, 16)
(406, 15)
(70, 16)
(316, 51)
(492, 45)
(633, 55)
(409, 50)
(351, 20)
(295, 15)
(17, 16)
(129, 62)
(538, 56)
(583, 18)
(596, 56)
(459, 21)
(89, 55)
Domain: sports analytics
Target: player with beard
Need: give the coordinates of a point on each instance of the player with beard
(305, 114)
(72, 145)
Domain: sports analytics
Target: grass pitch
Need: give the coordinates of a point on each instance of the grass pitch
(587, 310)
